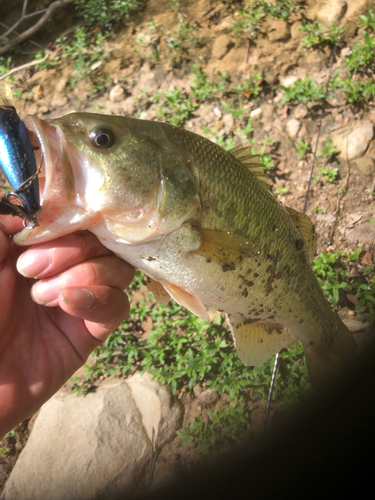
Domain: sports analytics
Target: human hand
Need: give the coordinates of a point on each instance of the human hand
(81, 283)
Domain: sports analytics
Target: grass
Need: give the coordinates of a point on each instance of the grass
(359, 87)
(334, 277)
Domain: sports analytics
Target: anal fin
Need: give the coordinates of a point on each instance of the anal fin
(160, 293)
(187, 300)
(257, 342)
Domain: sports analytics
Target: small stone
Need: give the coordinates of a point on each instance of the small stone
(363, 234)
(352, 143)
(256, 113)
(228, 121)
(207, 397)
(366, 165)
(117, 93)
(351, 313)
(289, 80)
(197, 390)
(217, 112)
(292, 127)
(221, 46)
(61, 84)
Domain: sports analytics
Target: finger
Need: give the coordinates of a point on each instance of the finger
(102, 308)
(103, 271)
(10, 224)
(4, 246)
(50, 258)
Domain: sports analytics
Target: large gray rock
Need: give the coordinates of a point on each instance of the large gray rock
(95, 446)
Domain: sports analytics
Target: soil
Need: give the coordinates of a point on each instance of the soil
(343, 208)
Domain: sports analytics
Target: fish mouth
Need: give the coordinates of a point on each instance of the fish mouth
(46, 143)
(61, 213)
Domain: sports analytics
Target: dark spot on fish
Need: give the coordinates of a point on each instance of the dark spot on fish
(228, 267)
(261, 341)
(150, 259)
(299, 244)
(248, 283)
(256, 275)
(311, 343)
(300, 321)
(249, 321)
(245, 293)
(290, 310)
(241, 277)
(249, 271)
(270, 269)
(279, 276)
(208, 260)
(260, 305)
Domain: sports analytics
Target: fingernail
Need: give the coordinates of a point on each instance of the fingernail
(78, 298)
(33, 263)
(45, 292)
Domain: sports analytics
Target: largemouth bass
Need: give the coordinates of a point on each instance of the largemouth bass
(199, 221)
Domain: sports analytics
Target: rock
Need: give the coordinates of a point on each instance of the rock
(228, 121)
(292, 127)
(352, 143)
(197, 390)
(217, 112)
(277, 30)
(207, 397)
(117, 93)
(366, 165)
(94, 446)
(256, 114)
(288, 81)
(328, 11)
(222, 44)
(363, 234)
(157, 407)
(61, 84)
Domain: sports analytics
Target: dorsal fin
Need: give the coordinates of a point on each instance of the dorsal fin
(251, 162)
(307, 229)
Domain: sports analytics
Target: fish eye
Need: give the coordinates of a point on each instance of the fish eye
(102, 138)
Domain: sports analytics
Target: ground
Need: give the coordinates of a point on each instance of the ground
(167, 62)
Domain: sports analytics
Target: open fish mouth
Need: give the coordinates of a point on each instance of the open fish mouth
(47, 144)
(61, 209)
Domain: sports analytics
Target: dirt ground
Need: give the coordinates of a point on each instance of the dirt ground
(341, 210)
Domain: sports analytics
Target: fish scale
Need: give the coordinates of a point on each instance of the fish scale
(200, 222)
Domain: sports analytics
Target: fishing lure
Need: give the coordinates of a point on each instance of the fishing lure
(17, 161)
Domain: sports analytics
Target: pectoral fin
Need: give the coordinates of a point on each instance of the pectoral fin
(160, 293)
(256, 343)
(187, 300)
(224, 247)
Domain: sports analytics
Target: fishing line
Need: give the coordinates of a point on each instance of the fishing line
(344, 6)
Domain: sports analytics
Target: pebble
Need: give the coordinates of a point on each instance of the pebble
(292, 126)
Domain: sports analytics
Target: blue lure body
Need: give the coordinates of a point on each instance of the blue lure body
(17, 159)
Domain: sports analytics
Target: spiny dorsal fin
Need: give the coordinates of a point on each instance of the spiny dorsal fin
(307, 229)
(251, 162)
(256, 343)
